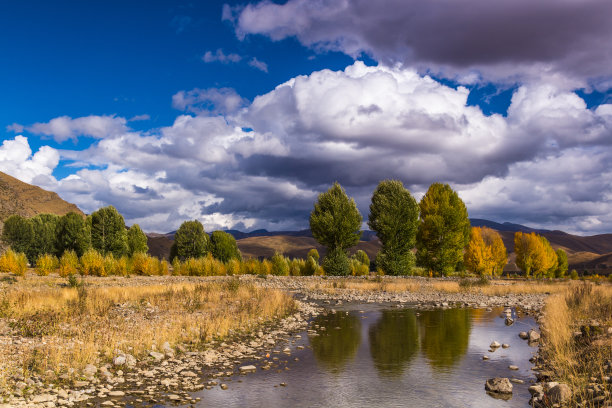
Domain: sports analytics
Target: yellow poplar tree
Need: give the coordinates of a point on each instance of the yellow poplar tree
(534, 254)
(493, 240)
(485, 254)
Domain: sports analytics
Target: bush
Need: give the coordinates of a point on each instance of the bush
(310, 267)
(297, 267)
(280, 267)
(205, 266)
(68, 263)
(265, 267)
(362, 257)
(574, 274)
(232, 267)
(358, 268)
(45, 264)
(314, 254)
(336, 263)
(92, 263)
(13, 262)
(250, 267)
(143, 264)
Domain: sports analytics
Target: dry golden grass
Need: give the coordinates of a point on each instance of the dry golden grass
(398, 285)
(577, 359)
(77, 326)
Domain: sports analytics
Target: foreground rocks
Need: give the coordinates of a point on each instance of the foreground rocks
(166, 376)
(498, 385)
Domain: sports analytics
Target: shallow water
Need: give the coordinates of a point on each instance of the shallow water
(372, 356)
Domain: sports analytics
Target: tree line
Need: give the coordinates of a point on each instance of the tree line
(46, 234)
(434, 234)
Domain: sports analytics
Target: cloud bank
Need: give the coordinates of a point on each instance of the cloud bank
(565, 41)
(261, 164)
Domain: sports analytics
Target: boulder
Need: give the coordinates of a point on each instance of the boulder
(559, 394)
(533, 335)
(536, 390)
(157, 356)
(119, 360)
(495, 345)
(499, 385)
(523, 335)
(90, 370)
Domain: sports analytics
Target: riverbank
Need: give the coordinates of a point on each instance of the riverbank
(159, 339)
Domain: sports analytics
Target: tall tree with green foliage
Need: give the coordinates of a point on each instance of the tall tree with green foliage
(562, 263)
(108, 233)
(72, 234)
(335, 223)
(45, 238)
(18, 233)
(190, 241)
(224, 247)
(444, 230)
(136, 240)
(394, 215)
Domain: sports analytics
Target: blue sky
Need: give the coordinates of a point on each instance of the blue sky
(239, 113)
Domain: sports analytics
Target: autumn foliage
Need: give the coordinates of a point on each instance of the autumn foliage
(485, 254)
(534, 255)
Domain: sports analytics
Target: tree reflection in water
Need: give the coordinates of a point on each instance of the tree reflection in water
(394, 341)
(336, 347)
(444, 335)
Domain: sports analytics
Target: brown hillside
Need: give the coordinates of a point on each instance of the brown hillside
(601, 263)
(266, 246)
(159, 245)
(17, 197)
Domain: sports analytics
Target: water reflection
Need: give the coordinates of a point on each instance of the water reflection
(338, 343)
(445, 335)
(394, 341)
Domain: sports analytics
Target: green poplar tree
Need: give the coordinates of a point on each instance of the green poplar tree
(444, 230)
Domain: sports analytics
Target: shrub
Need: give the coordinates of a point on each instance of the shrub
(250, 267)
(143, 264)
(297, 267)
(205, 266)
(574, 274)
(265, 267)
(163, 267)
(74, 282)
(92, 263)
(280, 267)
(310, 267)
(232, 267)
(358, 268)
(13, 262)
(362, 257)
(314, 254)
(336, 263)
(68, 263)
(122, 266)
(45, 264)
(176, 267)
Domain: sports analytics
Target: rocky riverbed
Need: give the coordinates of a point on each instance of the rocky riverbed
(171, 375)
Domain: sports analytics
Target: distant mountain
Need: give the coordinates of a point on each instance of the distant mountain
(506, 226)
(19, 198)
